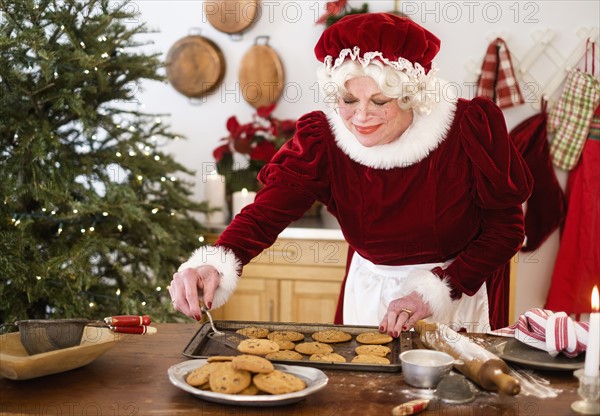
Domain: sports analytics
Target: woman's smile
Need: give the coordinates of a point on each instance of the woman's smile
(366, 130)
(373, 118)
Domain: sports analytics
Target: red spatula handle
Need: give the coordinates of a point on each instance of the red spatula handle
(141, 329)
(128, 320)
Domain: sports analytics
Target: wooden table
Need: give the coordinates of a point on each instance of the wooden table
(131, 379)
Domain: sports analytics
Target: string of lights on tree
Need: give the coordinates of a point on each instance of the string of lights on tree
(104, 218)
(95, 216)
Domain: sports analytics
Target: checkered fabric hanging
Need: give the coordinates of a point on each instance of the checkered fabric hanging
(570, 118)
(497, 80)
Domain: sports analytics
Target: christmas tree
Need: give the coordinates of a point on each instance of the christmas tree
(94, 217)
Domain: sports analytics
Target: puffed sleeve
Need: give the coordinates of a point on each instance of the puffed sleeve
(502, 178)
(501, 183)
(293, 180)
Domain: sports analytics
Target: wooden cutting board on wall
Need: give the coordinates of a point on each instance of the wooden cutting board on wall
(261, 75)
(195, 66)
(231, 16)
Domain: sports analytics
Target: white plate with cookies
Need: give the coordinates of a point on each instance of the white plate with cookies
(219, 382)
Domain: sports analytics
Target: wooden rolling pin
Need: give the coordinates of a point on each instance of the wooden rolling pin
(475, 362)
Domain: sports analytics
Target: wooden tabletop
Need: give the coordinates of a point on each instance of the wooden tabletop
(131, 379)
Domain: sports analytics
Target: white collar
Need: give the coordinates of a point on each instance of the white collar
(422, 137)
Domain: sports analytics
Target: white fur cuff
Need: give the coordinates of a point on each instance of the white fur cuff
(226, 263)
(434, 291)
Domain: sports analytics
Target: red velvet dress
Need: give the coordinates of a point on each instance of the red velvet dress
(463, 201)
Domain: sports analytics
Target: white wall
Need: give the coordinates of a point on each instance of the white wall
(465, 27)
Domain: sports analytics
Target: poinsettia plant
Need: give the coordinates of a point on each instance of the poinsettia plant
(335, 10)
(250, 146)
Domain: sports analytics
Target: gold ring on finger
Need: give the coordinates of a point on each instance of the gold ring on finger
(408, 312)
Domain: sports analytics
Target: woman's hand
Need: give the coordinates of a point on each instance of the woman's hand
(186, 285)
(402, 314)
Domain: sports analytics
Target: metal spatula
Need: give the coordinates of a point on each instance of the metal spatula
(230, 340)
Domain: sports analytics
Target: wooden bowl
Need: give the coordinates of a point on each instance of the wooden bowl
(17, 364)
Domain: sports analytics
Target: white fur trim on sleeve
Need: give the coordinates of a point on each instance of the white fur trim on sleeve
(433, 290)
(226, 263)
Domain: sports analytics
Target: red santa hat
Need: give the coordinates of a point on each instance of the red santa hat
(396, 41)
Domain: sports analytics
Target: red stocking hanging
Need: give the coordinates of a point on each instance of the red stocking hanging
(546, 207)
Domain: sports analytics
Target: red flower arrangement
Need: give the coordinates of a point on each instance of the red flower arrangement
(335, 10)
(250, 146)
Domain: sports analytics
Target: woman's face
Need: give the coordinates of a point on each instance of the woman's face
(371, 116)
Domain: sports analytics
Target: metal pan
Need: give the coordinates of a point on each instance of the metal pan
(202, 345)
(232, 16)
(195, 66)
(261, 74)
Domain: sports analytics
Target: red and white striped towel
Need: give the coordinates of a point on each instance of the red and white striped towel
(554, 332)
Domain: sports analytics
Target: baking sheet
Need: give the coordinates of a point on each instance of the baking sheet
(516, 352)
(202, 346)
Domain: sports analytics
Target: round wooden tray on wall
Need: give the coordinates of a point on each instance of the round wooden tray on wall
(261, 75)
(195, 66)
(231, 16)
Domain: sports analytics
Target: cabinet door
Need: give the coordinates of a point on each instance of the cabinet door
(308, 301)
(253, 300)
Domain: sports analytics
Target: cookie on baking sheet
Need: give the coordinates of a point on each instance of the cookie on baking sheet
(254, 332)
(257, 346)
(310, 348)
(228, 380)
(219, 358)
(379, 350)
(284, 344)
(330, 357)
(370, 359)
(331, 336)
(252, 363)
(200, 375)
(373, 338)
(284, 355)
(278, 382)
(286, 335)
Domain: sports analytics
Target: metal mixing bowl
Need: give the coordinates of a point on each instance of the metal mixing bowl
(43, 335)
(425, 368)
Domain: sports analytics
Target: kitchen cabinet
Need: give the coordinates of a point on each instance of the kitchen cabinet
(294, 280)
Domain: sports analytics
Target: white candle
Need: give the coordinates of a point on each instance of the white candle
(592, 353)
(241, 199)
(214, 194)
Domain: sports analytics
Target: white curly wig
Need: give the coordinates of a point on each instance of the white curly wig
(418, 92)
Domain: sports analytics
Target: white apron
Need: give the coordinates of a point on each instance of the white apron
(370, 288)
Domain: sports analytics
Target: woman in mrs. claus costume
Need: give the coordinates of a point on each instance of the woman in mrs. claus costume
(427, 189)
